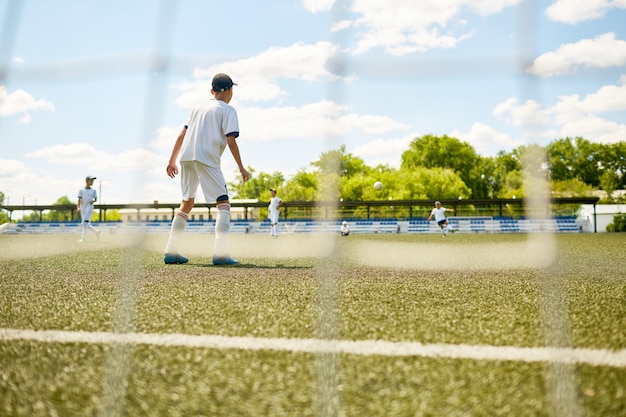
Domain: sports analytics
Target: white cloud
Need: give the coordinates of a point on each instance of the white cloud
(21, 102)
(594, 128)
(529, 113)
(603, 51)
(165, 138)
(384, 151)
(571, 115)
(317, 120)
(608, 98)
(342, 25)
(580, 117)
(405, 26)
(486, 140)
(86, 155)
(315, 6)
(256, 77)
(576, 11)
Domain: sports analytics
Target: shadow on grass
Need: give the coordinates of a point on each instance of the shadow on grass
(252, 266)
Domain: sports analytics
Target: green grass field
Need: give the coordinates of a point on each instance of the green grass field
(383, 325)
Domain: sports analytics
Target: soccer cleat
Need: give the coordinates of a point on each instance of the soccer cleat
(224, 260)
(171, 258)
(81, 240)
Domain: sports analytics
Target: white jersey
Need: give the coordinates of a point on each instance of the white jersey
(439, 213)
(273, 209)
(87, 196)
(208, 126)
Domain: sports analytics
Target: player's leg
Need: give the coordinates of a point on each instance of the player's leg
(85, 227)
(96, 231)
(222, 228)
(274, 223)
(189, 186)
(179, 222)
(214, 188)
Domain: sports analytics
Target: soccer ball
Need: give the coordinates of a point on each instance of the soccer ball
(378, 185)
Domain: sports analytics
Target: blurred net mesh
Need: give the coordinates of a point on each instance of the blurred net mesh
(559, 378)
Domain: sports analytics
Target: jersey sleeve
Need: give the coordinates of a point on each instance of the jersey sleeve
(230, 125)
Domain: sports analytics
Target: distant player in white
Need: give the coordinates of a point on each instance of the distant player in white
(272, 212)
(440, 217)
(86, 197)
(345, 229)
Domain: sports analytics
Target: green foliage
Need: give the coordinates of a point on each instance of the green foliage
(618, 225)
(575, 158)
(301, 187)
(60, 215)
(443, 152)
(340, 163)
(3, 216)
(257, 186)
(570, 188)
(513, 185)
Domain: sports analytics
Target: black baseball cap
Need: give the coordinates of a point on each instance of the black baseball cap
(222, 82)
(89, 177)
(272, 189)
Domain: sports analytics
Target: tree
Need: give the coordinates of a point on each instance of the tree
(444, 152)
(613, 157)
(341, 163)
(575, 158)
(618, 225)
(60, 215)
(301, 187)
(257, 186)
(3, 216)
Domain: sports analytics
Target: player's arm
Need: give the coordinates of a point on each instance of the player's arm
(449, 209)
(234, 150)
(79, 203)
(172, 168)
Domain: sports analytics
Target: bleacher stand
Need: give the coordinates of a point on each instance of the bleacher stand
(412, 226)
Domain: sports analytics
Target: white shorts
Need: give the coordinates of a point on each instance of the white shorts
(273, 216)
(85, 214)
(194, 173)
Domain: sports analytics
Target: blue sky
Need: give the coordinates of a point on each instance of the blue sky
(102, 88)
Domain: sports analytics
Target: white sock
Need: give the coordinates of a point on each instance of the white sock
(178, 226)
(85, 228)
(222, 227)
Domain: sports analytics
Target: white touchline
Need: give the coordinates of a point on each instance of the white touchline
(595, 357)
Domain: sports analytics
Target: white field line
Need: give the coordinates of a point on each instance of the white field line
(594, 357)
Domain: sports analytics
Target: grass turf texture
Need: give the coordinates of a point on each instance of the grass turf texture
(47, 282)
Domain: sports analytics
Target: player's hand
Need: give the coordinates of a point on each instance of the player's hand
(244, 174)
(172, 170)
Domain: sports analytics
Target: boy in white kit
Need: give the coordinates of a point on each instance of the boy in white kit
(440, 217)
(211, 127)
(86, 197)
(273, 213)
